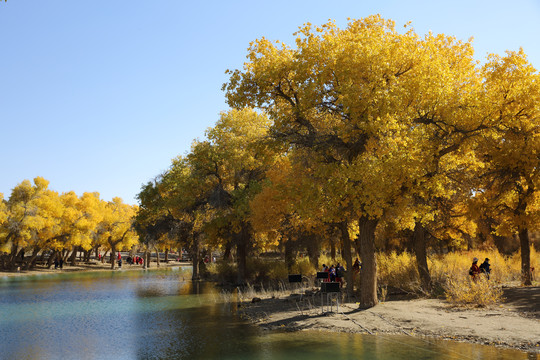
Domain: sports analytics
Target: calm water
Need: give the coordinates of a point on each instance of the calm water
(159, 315)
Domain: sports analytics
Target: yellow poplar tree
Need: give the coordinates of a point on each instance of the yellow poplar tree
(511, 149)
(116, 230)
(360, 98)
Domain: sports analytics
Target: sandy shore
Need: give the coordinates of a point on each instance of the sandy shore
(94, 266)
(513, 324)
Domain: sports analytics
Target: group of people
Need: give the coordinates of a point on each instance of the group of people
(135, 260)
(476, 270)
(335, 273)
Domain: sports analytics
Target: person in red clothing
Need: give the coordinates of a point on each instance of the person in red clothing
(474, 270)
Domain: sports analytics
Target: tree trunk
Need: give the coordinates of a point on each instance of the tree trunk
(227, 252)
(73, 260)
(525, 257)
(332, 249)
(314, 250)
(20, 257)
(42, 257)
(157, 255)
(113, 254)
(419, 236)
(368, 275)
(195, 257)
(167, 255)
(241, 253)
(347, 254)
(52, 256)
(146, 264)
(31, 262)
(13, 256)
(289, 254)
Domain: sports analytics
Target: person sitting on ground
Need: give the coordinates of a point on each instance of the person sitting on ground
(485, 268)
(474, 270)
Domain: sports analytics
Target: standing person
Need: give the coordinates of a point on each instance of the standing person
(485, 268)
(119, 256)
(332, 273)
(340, 270)
(474, 270)
(326, 270)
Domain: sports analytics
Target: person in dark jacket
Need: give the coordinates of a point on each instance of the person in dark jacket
(485, 268)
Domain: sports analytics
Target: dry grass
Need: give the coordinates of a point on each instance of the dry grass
(449, 275)
(466, 291)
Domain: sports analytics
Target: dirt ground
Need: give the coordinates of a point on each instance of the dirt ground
(513, 324)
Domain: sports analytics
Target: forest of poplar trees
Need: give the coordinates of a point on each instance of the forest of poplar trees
(357, 140)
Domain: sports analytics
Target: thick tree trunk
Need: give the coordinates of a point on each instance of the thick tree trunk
(73, 259)
(314, 250)
(347, 255)
(113, 254)
(525, 257)
(167, 255)
(419, 240)
(368, 275)
(146, 255)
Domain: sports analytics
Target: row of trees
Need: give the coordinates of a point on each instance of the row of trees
(39, 220)
(356, 134)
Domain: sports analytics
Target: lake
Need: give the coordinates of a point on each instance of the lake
(161, 314)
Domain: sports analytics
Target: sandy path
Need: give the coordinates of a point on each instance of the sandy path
(514, 324)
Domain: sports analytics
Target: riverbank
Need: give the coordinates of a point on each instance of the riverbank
(93, 266)
(513, 324)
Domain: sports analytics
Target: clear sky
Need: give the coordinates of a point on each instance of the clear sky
(101, 95)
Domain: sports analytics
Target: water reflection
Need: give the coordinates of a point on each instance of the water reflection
(161, 315)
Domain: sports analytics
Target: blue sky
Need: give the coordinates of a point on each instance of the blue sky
(101, 95)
